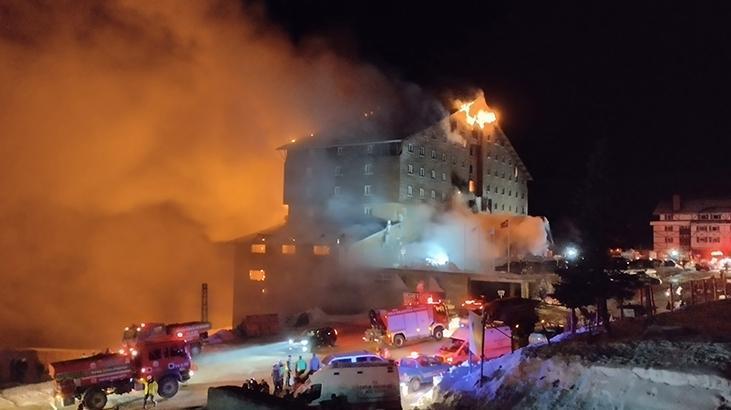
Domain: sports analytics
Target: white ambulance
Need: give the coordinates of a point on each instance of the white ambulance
(371, 385)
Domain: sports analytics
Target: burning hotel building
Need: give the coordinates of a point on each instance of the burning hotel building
(352, 202)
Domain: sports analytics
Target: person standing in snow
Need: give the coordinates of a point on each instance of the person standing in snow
(150, 391)
(300, 368)
(288, 371)
(277, 377)
(314, 363)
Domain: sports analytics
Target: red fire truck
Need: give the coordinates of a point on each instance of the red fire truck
(195, 334)
(91, 379)
(411, 323)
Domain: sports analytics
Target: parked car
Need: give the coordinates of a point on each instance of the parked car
(314, 338)
(417, 371)
(359, 356)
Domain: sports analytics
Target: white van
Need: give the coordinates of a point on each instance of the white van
(359, 356)
(374, 385)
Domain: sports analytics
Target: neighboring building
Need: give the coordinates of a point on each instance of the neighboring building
(374, 175)
(692, 227)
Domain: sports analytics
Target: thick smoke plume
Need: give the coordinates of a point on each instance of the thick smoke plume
(135, 134)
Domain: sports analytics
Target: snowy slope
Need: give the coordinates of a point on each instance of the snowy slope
(653, 370)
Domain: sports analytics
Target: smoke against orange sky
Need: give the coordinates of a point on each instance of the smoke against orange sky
(133, 134)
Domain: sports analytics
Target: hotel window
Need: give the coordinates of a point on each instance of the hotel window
(257, 275)
(336, 191)
(716, 216)
(367, 190)
(714, 228)
(444, 156)
(444, 176)
(421, 172)
(487, 188)
(410, 190)
(368, 169)
(433, 174)
(321, 250)
(670, 240)
(444, 196)
(338, 171)
(411, 169)
(367, 210)
(433, 154)
(288, 249)
(340, 150)
(411, 147)
(258, 248)
(369, 149)
(422, 150)
(669, 228)
(421, 192)
(433, 195)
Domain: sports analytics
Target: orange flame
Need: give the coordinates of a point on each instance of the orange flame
(482, 113)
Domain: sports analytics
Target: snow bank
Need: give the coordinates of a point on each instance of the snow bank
(638, 375)
(38, 395)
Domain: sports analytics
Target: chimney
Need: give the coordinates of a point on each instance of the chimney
(676, 203)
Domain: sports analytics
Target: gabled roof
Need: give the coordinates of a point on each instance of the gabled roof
(693, 206)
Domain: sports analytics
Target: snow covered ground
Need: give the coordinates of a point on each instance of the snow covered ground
(659, 367)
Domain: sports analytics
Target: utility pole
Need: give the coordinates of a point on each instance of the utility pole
(509, 227)
(204, 302)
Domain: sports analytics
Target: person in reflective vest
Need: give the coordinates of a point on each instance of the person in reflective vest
(150, 391)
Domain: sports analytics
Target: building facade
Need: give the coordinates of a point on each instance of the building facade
(692, 228)
(375, 176)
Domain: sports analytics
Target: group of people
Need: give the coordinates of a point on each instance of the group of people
(286, 375)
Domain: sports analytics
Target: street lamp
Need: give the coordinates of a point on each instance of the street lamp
(571, 253)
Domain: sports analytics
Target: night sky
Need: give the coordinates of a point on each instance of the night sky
(642, 89)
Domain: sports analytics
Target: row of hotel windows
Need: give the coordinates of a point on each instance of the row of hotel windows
(703, 217)
(422, 172)
(422, 193)
(422, 152)
(699, 228)
(289, 249)
(368, 149)
(501, 207)
(701, 239)
(499, 190)
(367, 190)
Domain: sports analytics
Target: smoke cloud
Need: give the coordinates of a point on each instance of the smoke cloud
(134, 135)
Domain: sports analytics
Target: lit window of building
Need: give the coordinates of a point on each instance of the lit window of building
(367, 210)
(421, 192)
(422, 151)
(411, 169)
(321, 250)
(336, 191)
(367, 190)
(368, 169)
(421, 172)
(472, 185)
(369, 149)
(257, 275)
(410, 190)
(444, 176)
(433, 195)
(258, 248)
(289, 249)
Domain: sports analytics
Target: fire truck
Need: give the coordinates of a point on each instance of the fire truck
(194, 334)
(91, 379)
(410, 323)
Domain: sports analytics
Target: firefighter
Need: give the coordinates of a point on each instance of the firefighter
(300, 368)
(288, 371)
(150, 391)
(314, 363)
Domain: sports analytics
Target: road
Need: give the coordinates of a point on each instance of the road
(232, 364)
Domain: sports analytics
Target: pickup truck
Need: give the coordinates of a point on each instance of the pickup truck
(415, 371)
